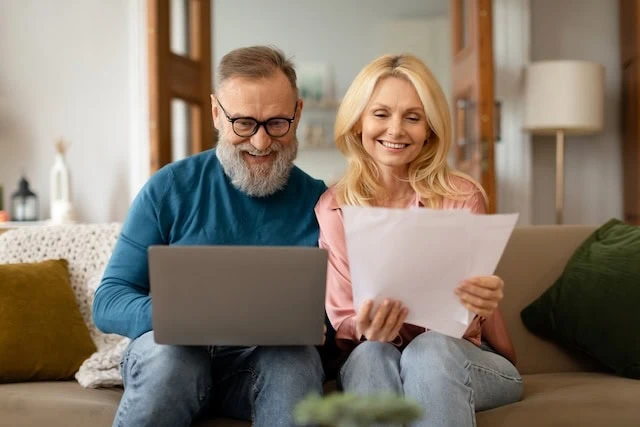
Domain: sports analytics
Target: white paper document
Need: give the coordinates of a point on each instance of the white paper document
(419, 257)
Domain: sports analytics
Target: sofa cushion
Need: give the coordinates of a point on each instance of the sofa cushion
(593, 306)
(87, 247)
(67, 404)
(532, 261)
(43, 335)
(57, 404)
(583, 399)
(570, 399)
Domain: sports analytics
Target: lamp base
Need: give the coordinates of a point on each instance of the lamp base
(559, 176)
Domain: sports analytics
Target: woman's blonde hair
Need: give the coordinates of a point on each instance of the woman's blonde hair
(429, 174)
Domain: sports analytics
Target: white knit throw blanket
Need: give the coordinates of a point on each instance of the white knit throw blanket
(87, 248)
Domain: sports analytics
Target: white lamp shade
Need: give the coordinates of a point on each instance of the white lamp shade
(564, 95)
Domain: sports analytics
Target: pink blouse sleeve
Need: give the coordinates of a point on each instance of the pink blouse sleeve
(492, 329)
(476, 204)
(339, 297)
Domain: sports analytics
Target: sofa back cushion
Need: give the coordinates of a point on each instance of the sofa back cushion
(533, 259)
(593, 306)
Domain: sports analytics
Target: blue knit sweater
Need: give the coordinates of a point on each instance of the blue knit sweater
(192, 202)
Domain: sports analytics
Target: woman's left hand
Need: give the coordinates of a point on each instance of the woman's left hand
(481, 295)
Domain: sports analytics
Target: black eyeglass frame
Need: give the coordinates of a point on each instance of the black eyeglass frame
(259, 123)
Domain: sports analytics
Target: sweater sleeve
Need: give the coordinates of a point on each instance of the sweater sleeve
(122, 304)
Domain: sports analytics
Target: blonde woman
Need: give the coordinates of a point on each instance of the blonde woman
(394, 128)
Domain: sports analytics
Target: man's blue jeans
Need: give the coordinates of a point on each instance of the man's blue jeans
(450, 378)
(173, 385)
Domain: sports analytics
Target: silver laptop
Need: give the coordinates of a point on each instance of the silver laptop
(237, 295)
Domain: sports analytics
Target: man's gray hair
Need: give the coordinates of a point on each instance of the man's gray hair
(256, 62)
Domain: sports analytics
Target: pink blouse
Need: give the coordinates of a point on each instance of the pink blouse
(339, 297)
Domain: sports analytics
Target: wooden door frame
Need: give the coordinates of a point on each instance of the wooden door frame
(176, 76)
(476, 54)
(140, 168)
(511, 154)
(629, 15)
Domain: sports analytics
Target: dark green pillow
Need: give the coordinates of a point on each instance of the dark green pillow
(594, 307)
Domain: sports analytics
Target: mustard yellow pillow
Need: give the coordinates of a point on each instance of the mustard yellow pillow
(42, 333)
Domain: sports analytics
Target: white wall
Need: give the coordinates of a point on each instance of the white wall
(344, 34)
(587, 30)
(64, 73)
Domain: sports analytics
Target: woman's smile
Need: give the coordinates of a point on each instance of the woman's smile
(393, 146)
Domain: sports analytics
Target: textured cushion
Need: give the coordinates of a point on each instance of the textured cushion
(593, 306)
(43, 335)
(87, 247)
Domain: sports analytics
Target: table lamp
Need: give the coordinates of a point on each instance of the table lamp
(563, 97)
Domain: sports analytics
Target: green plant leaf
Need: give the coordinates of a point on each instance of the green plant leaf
(350, 410)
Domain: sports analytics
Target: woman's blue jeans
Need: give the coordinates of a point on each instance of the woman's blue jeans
(451, 378)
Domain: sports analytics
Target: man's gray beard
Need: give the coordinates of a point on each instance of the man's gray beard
(259, 180)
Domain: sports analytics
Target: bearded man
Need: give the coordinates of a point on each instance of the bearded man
(245, 192)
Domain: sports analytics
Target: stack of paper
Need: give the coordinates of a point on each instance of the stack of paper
(419, 256)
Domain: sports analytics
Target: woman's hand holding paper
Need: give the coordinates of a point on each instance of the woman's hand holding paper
(385, 324)
(481, 295)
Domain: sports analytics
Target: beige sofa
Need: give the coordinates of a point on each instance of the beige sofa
(561, 389)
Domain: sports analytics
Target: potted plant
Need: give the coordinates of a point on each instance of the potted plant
(350, 410)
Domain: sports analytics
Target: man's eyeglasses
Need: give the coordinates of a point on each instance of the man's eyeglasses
(275, 127)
